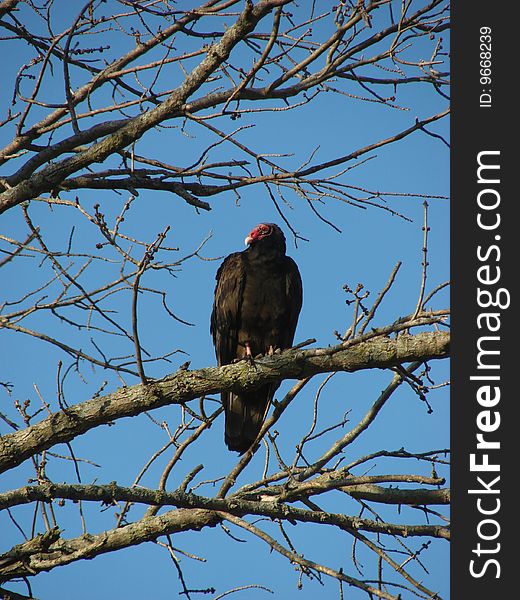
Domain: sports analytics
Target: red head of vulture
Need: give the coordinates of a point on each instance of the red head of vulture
(258, 298)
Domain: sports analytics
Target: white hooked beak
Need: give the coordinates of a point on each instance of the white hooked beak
(248, 240)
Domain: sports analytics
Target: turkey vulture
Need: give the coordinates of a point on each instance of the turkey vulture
(258, 298)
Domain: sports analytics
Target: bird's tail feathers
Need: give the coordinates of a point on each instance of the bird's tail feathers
(245, 414)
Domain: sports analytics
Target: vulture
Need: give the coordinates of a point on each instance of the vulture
(258, 297)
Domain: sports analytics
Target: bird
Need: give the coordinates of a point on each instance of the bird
(258, 298)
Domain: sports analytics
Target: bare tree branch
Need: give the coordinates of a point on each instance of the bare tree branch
(184, 386)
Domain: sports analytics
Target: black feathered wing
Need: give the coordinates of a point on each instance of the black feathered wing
(294, 299)
(227, 306)
(241, 412)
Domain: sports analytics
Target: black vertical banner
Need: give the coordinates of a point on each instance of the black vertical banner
(485, 256)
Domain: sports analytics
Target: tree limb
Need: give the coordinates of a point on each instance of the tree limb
(183, 386)
(48, 551)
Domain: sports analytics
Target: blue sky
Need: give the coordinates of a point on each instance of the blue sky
(371, 242)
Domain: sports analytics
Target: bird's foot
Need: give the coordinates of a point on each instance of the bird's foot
(249, 355)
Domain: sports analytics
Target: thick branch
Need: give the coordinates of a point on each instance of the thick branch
(49, 551)
(392, 495)
(183, 386)
(111, 492)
